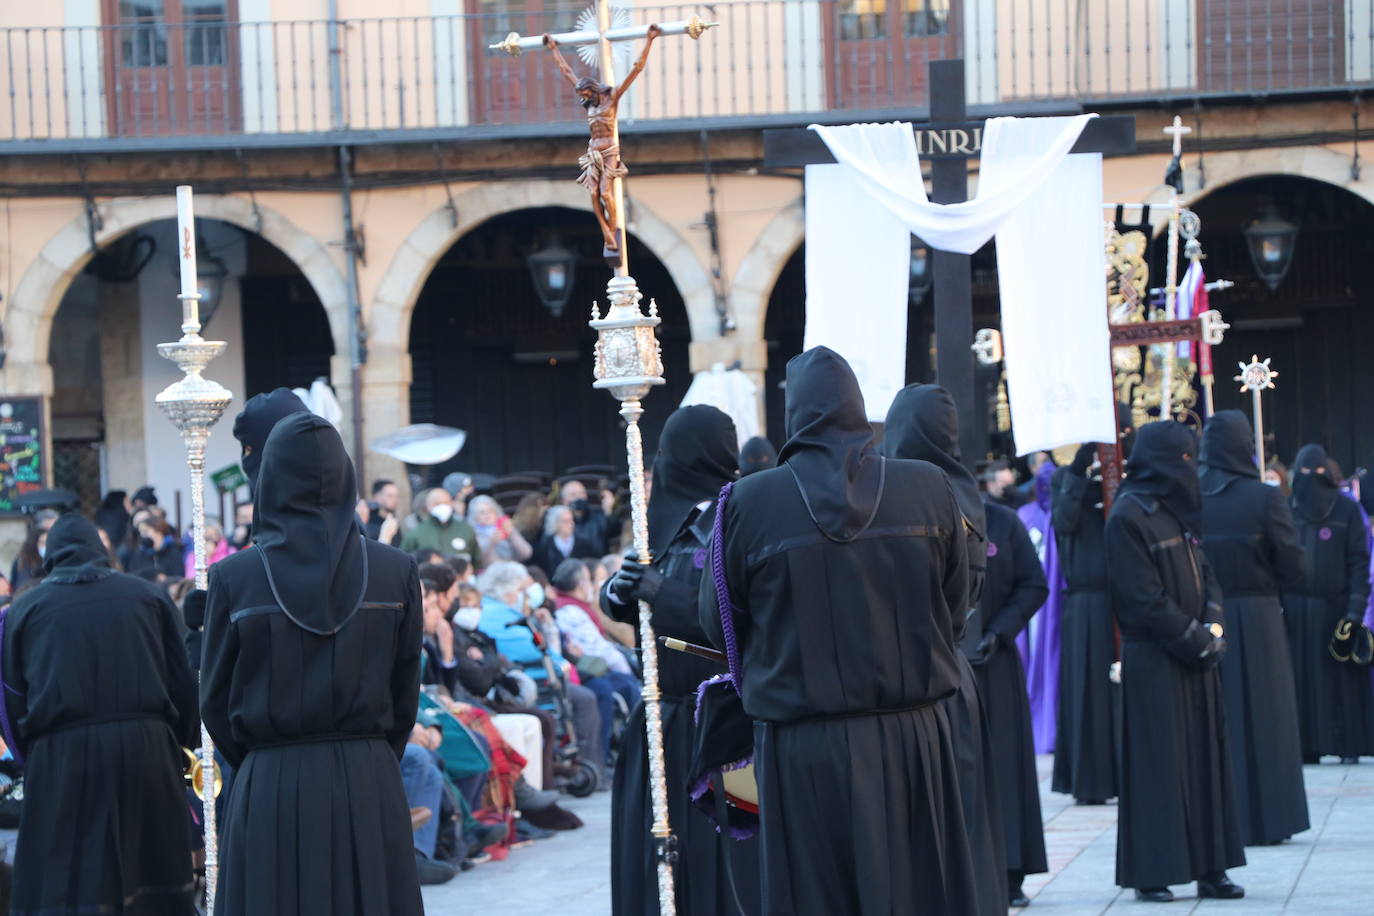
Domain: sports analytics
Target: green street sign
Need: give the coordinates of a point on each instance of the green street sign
(229, 478)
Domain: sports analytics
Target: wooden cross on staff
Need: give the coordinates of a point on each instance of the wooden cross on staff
(603, 170)
(949, 141)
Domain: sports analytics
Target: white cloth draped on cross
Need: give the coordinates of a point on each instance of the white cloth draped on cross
(1043, 205)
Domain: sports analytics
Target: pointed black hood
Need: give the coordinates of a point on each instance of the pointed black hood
(255, 424)
(74, 552)
(305, 526)
(758, 454)
(830, 444)
(923, 424)
(1227, 452)
(696, 457)
(1163, 465)
(1315, 488)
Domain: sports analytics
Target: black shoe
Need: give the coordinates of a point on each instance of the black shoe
(432, 872)
(1219, 887)
(528, 798)
(1086, 802)
(1154, 895)
(1311, 759)
(1018, 898)
(524, 830)
(1350, 761)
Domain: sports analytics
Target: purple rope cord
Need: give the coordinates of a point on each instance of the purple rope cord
(727, 607)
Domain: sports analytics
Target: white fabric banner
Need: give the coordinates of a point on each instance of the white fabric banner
(1051, 268)
(730, 392)
(1035, 197)
(858, 267)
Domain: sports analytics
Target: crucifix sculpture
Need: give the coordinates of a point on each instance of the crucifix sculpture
(628, 361)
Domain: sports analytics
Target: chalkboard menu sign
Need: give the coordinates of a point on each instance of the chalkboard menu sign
(21, 450)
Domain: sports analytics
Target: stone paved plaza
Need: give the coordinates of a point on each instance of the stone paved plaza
(1329, 870)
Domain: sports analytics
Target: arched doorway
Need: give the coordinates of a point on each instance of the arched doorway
(106, 431)
(489, 358)
(1316, 325)
(785, 328)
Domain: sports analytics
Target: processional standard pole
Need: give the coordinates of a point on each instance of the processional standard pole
(1176, 130)
(194, 404)
(628, 360)
(1254, 377)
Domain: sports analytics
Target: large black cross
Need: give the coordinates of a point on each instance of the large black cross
(949, 141)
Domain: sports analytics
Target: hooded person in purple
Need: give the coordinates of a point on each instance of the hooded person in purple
(1039, 642)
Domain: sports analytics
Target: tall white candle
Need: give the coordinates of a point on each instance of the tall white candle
(186, 255)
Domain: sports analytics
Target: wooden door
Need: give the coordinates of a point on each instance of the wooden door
(172, 67)
(515, 90)
(880, 48)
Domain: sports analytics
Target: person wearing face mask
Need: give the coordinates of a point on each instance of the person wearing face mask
(497, 538)
(592, 523)
(1335, 706)
(1249, 539)
(1178, 820)
(158, 555)
(441, 530)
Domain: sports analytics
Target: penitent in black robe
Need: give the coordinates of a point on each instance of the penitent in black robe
(1335, 703)
(311, 680)
(1248, 536)
(1013, 590)
(845, 569)
(1177, 820)
(100, 697)
(1085, 748)
(696, 458)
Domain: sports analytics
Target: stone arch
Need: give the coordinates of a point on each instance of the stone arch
(28, 321)
(414, 260)
(759, 269)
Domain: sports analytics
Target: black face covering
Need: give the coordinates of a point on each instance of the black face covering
(255, 423)
(75, 552)
(1227, 452)
(830, 444)
(1125, 425)
(757, 455)
(696, 457)
(305, 525)
(923, 424)
(1314, 493)
(1158, 468)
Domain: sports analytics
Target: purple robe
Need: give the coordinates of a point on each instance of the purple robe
(1039, 641)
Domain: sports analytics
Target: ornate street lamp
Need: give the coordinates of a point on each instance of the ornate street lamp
(553, 269)
(921, 276)
(1271, 240)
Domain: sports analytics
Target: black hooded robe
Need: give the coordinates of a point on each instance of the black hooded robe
(101, 700)
(1335, 706)
(923, 424)
(1177, 818)
(1248, 536)
(1085, 747)
(847, 569)
(1013, 590)
(311, 680)
(696, 458)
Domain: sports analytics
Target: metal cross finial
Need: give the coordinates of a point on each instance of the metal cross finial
(1255, 377)
(1177, 130)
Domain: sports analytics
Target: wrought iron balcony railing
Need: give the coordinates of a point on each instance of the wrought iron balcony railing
(187, 85)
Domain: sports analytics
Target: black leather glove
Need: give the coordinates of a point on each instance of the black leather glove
(987, 648)
(1083, 459)
(636, 582)
(193, 608)
(1214, 653)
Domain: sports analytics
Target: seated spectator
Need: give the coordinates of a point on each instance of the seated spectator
(217, 547)
(441, 530)
(427, 555)
(528, 517)
(158, 554)
(424, 786)
(462, 568)
(604, 669)
(497, 538)
(593, 522)
(617, 631)
(386, 497)
(561, 541)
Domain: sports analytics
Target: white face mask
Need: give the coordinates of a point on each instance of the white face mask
(42, 551)
(442, 513)
(534, 595)
(467, 617)
(1272, 483)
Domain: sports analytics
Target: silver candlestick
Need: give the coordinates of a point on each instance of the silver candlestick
(1255, 377)
(194, 404)
(629, 363)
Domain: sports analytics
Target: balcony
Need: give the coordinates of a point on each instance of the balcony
(771, 62)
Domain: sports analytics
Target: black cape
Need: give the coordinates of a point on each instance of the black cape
(101, 698)
(255, 422)
(1014, 589)
(696, 458)
(1087, 732)
(1177, 819)
(847, 646)
(923, 424)
(312, 700)
(1250, 542)
(1335, 706)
